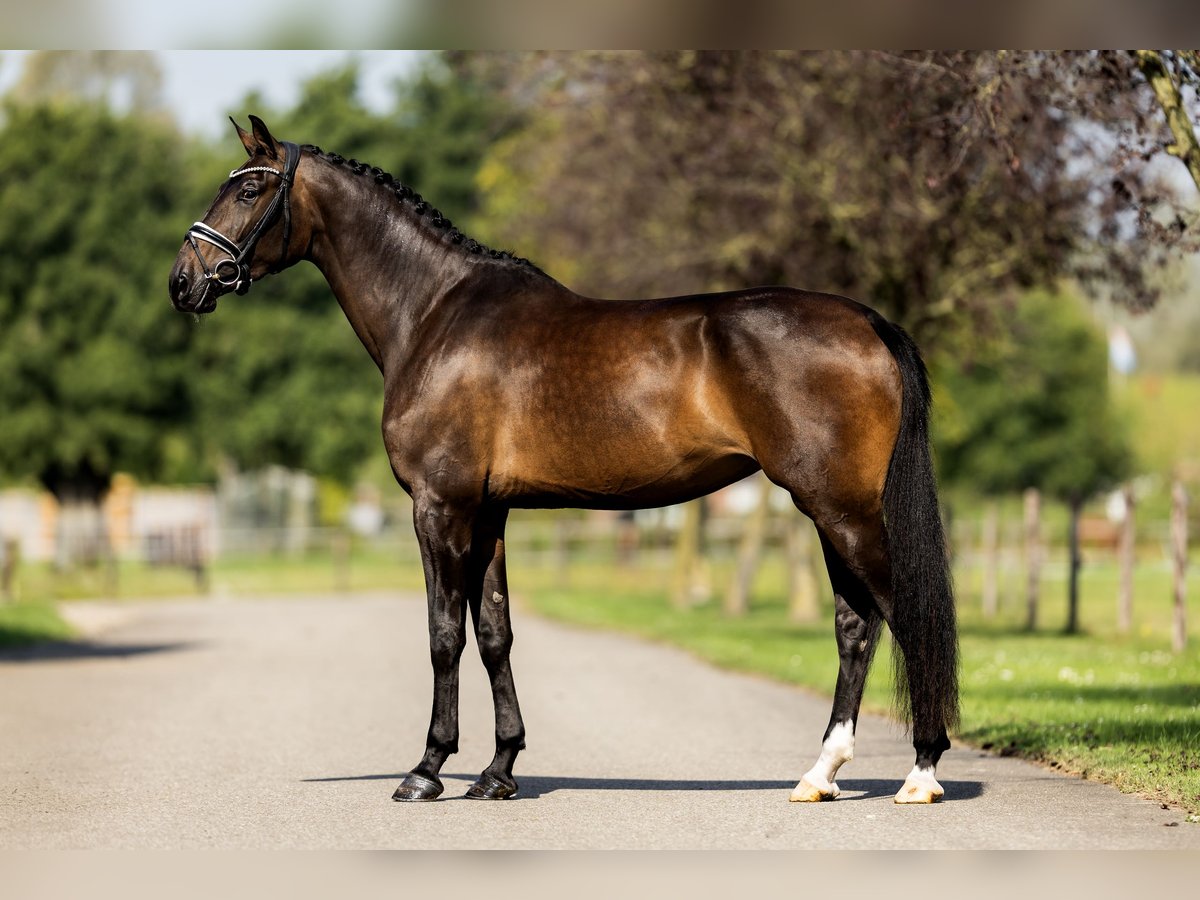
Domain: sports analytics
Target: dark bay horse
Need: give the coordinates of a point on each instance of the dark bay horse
(505, 389)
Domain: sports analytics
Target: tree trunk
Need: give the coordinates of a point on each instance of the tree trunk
(737, 600)
(1033, 555)
(80, 533)
(991, 552)
(562, 549)
(10, 557)
(1166, 90)
(1127, 551)
(802, 579)
(1179, 542)
(1076, 560)
(687, 555)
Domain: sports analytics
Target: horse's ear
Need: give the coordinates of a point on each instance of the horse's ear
(246, 137)
(263, 138)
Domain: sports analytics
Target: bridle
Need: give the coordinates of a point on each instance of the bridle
(234, 272)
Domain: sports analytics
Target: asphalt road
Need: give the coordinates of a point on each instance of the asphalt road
(288, 722)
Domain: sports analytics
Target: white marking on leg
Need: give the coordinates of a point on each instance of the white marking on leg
(837, 750)
(921, 786)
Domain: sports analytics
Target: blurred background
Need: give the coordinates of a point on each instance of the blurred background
(1031, 218)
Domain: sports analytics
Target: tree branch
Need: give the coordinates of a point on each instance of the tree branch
(1186, 148)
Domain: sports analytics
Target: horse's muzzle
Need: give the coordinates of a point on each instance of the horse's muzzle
(191, 296)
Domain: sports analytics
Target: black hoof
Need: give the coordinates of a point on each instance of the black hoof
(416, 787)
(488, 787)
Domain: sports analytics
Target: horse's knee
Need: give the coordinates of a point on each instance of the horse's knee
(495, 642)
(446, 645)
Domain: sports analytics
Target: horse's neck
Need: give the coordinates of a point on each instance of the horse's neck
(384, 268)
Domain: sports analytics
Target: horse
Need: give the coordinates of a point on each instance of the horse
(504, 389)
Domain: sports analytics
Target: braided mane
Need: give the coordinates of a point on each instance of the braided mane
(422, 207)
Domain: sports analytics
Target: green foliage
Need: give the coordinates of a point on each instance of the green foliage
(119, 79)
(1163, 411)
(94, 363)
(1032, 409)
(925, 184)
(30, 622)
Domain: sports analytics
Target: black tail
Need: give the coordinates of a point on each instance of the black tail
(923, 616)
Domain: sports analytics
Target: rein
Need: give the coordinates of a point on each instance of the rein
(234, 272)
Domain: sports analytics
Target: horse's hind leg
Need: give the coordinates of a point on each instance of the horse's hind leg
(857, 626)
(857, 545)
(493, 634)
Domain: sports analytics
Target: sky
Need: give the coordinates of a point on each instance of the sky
(202, 86)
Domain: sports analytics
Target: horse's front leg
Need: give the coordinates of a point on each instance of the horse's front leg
(444, 532)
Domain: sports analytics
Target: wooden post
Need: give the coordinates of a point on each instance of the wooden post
(10, 556)
(737, 600)
(991, 551)
(1033, 555)
(1075, 561)
(563, 532)
(1179, 542)
(687, 553)
(340, 546)
(1126, 551)
(802, 581)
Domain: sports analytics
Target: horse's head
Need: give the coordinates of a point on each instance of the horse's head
(250, 229)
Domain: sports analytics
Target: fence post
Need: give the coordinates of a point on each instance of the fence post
(737, 600)
(802, 582)
(340, 549)
(687, 555)
(1127, 551)
(1033, 555)
(991, 550)
(1179, 535)
(9, 557)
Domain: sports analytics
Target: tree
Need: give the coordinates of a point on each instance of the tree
(1031, 410)
(125, 80)
(924, 184)
(94, 364)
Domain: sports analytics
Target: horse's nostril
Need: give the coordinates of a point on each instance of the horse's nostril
(179, 286)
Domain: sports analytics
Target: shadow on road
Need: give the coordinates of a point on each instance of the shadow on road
(533, 786)
(871, 788)
(71, 650)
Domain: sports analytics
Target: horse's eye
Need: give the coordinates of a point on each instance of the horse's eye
(249, 192)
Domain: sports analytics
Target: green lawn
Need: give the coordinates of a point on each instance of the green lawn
(1120, 710)
(30, 622)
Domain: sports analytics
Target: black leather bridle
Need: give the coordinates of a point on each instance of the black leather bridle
(234, 272)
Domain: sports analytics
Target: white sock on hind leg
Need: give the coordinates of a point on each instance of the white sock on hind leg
(836, 751)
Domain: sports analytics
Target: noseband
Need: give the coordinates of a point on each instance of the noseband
(234, 272)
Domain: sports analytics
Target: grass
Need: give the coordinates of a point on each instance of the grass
(30, 622)
(33, 617)
(1123, 710)
(312, 572)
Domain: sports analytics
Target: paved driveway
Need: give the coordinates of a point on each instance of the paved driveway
(288, 722)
